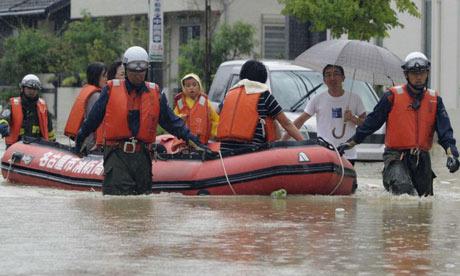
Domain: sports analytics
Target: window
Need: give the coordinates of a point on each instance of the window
(274, 41)
(188, 32)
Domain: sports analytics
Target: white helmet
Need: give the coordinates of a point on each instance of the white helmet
(416, 62)
(31, 81)
(136, 58)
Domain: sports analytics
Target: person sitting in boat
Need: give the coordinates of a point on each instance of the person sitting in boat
(27, 115)
(96, 76)
(249, 110)
(130, 110)
(193, 106)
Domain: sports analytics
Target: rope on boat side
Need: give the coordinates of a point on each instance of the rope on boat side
(225, 172)
(342, 170)
(9, 169)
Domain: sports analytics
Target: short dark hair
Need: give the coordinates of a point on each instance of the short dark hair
(333, 66)
(112, 71)
(254, 70)
(94, 72)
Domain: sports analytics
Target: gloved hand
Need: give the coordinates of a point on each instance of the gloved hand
(345, 146)
(4, 130)
(452, 163)
(79, 149)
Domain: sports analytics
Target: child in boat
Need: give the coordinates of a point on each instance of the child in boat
(193, 106)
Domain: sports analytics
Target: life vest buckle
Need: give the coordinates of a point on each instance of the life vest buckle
(130, 146)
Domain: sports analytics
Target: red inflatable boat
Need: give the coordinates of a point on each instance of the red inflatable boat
(298, 167)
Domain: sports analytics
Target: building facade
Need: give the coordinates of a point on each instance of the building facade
(278, 36)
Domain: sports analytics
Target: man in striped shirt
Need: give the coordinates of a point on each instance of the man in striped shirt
(249, 111)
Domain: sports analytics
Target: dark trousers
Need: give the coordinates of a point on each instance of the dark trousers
(408, 173)
(127, 173)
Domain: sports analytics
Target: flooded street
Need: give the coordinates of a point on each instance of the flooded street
(47, 231)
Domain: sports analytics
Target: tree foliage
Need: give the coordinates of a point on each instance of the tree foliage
(360, 19)
(82, 42)
(229, 42)
(26, 53)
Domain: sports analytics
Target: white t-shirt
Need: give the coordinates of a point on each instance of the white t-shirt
(330, 112)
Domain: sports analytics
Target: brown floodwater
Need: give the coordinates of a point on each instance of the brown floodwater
(55, 232)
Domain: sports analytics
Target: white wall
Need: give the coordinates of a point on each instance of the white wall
(65, 99)
(130, 7)
(402, 41)
(251, 12)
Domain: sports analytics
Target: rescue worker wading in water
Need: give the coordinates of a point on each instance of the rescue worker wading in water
(130, 111)
(412, 113)
(27, 115)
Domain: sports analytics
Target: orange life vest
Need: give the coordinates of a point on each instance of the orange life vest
(197, 117)
(78, 111)
(17, 118)
(115, 122)
(239, 117)
(408, 128)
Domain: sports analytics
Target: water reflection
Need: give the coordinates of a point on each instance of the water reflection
(377, 233)
(406, 236)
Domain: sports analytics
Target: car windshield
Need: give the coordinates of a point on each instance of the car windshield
(289, 86)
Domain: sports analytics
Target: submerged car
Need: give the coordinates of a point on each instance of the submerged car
(293, 86)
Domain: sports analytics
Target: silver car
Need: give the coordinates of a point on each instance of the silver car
(293, 86)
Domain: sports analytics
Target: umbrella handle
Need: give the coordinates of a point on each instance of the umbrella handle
(341, 135)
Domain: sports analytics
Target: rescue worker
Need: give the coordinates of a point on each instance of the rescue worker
(412, 113)
(193, 106)
(27, 115)
(249, 110)
(130, 110)
(96, 78)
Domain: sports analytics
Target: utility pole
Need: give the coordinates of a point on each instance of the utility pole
(207, 50)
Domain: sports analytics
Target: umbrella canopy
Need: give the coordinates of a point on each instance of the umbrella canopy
(360, 60)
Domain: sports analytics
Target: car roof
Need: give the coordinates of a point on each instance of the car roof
(272, 65)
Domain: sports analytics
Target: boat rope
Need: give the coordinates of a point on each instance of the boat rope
(9, 169)
(225, 173)
(342, 170)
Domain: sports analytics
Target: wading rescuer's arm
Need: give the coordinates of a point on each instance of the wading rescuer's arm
(446, 137)
(176, 126)
(5, 118)
(290, 128)
(372, 123)
(51, 133)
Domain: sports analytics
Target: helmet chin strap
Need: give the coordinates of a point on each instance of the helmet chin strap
(418, 88)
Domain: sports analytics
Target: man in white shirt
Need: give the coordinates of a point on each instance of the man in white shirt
(337, 112)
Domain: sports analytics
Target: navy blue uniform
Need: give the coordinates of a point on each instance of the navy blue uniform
(168, 120)
(407, 171)
(130, 173)
(379, 115)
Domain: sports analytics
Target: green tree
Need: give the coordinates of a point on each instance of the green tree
(86, 41)
(360, 19)
(229, 42)
(28, 52)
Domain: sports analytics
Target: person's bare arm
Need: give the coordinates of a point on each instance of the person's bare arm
(298, 122)
(290, 128)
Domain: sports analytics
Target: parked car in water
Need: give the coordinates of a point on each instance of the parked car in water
(293, 86)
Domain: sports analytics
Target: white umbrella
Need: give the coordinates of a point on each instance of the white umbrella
(361, 60)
